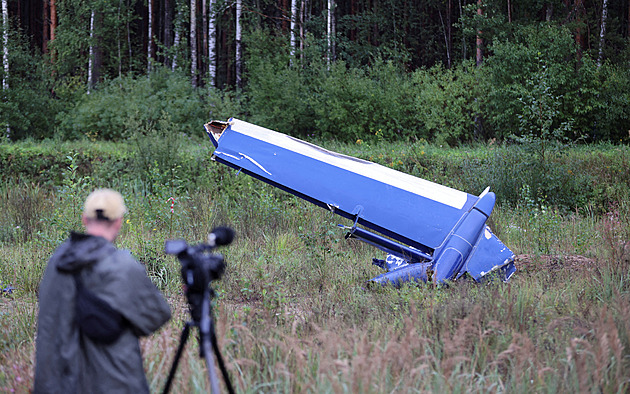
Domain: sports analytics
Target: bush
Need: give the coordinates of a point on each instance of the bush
(310, 97)
(447, 102)
(279, 95)
(105, 112)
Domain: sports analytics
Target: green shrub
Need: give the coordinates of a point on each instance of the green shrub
(279, 95)
(448, 104)
(372, 104)
(519, 65)
(105, 112)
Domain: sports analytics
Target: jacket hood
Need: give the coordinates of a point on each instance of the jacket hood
(83, 250)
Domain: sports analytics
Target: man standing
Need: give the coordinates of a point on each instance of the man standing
(69, 357)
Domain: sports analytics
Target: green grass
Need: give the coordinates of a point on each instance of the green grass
(293, 312)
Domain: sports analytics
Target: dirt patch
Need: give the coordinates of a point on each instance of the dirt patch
(532, 263)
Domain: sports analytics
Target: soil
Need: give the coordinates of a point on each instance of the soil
(531, 262)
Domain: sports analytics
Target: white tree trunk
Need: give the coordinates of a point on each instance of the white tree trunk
(602, 33)
(5, 44)
(212, 50)
(329, 32)
(239, 80)
(91, 80)
(5, 52)
(193, 42)
(294, 15)
(178, 35)
(150, 44)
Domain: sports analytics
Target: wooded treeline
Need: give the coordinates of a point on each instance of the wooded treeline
(67, 48)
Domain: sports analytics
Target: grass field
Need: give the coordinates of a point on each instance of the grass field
(293, 312)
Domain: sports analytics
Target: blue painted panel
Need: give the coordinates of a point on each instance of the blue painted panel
(490, 255)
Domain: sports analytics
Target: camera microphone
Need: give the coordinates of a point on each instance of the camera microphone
(220, 236)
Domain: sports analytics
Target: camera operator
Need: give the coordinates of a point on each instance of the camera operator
(91, 346)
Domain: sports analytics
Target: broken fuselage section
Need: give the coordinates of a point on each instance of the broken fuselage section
(430, 232)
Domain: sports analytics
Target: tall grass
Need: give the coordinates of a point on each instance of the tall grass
(293, 312)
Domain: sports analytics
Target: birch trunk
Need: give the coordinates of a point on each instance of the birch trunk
(5, 44)
(150, 33)
(212, 57)
(602, 33)
(293, 29)
(239, 60)
(96, 50)
(91, 55)
(204, 28)
(193, 42)
(178, 36)
(329, 33)
(5, 53)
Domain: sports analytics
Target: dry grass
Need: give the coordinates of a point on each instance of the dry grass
(293, 313)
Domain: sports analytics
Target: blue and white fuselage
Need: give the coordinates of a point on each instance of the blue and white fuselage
(438, 232)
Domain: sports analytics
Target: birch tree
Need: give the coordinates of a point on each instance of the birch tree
(330, 31)
(602, 33)
(5, 44)
(91, 79)
(178, 35)
(212, 51)
(150, 34)
(95, 61)
(193, 42)
(204, 28)
(5, 52)
(293, 29)
(239, 81)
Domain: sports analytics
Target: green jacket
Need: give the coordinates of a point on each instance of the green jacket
(66, 360)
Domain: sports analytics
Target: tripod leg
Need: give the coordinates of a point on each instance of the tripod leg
(180, 349)
(212, 375)
(215, 346)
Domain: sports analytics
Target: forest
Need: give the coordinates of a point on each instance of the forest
(445, 71)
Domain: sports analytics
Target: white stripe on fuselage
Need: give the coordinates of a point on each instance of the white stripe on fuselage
(377, 172)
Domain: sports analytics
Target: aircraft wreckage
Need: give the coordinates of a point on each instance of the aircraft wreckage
(430, 232)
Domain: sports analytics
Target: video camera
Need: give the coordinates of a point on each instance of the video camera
(199, 267)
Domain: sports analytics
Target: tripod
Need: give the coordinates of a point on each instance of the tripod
(203, 320)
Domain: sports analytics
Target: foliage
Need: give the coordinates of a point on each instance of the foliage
(535, 54)
(339, 102)
(279, 96)
(371, 104)
(610, 116)
(448, 103)
(27, 108)
(76, 32)
(106, 112)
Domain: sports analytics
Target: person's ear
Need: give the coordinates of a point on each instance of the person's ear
(118, 222)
